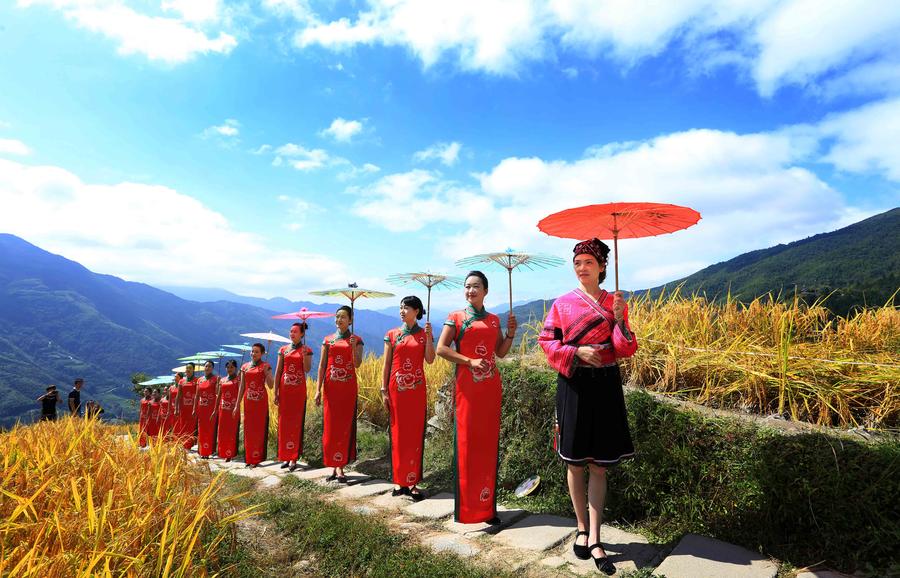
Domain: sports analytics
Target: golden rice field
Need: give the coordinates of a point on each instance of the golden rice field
(78, 498)
(767, 356)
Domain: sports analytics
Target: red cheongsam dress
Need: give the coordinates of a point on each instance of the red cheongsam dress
(408, 403)
(143, 416)
(165, 411)
(292, 402)
(186, 425)
(339, 403)
(206, 416)
(153, 420)
(477, 397)
(227, 438)
(256, 412)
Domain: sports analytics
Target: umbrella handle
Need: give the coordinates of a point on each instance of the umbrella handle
(428, 308)
(616, 258)
(510, 292)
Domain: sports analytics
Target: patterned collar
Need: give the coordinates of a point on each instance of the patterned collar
(404, 331)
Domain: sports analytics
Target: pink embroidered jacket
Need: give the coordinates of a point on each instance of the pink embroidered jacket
(575, 320)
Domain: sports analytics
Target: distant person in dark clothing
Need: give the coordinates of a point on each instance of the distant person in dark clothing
(49, 401)
(75, 397)
(92, 409)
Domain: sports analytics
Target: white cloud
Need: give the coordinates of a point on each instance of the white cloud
(263, 149)
(9, 146)
(750, 188)
(356, 172)
(407, 202)
(56, 210)
(865, 139)
(570, 72)
(228, 130)
(194, 10)
(777, 42)
(447, 153)
(304, 159)
(158, 38)
(342, 130)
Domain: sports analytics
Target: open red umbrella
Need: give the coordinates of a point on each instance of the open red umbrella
(618, 221)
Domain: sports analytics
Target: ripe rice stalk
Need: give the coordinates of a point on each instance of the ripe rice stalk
(79, 499)
(770, 355)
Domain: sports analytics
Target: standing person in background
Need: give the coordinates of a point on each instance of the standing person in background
(186, 423)
(585, 333)
(75, 397)
(293, 364)
(49, 401)
(406, 350)
(229, 421)
(153, 416)
(143, 416)
(255, 376)
(477, 397)
(172, 420)
(165, 415)
(341, 354)
(92, 409)
(205, 411)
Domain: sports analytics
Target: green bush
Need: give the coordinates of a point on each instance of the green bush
(803, 497)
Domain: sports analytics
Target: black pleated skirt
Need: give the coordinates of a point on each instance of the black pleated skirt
(591, 418)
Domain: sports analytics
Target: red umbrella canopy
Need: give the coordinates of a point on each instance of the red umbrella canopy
(619, 221)
(303, 315)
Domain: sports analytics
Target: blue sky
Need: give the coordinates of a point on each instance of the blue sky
(276, 147)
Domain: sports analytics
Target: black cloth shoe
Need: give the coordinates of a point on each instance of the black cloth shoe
(401, 491)
(416, 495)
(285, 465)
(603, 564)
(581, 552)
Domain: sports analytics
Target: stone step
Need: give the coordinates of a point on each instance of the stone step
(629, 552)
(506, 515)
(823, 574)
(453, 543)
(364, 489)
(437, 506)
(538, 532)
(701, 557)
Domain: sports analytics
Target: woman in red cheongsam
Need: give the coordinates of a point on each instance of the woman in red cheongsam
(186, 422)
(229, 422)
(341, 354)
(205, 410)
(406, 350)
(144, 416)
(255, 376)
(153, 416)
(477, 398)
(293, 364)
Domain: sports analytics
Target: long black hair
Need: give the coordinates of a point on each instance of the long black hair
(415, 303)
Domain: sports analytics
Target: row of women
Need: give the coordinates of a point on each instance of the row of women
(585, 332)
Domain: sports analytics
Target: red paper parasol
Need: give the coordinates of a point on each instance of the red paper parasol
(303, 315)
(618, 221)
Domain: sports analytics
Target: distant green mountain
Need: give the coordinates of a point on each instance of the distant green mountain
(854, 266)
(58, 321)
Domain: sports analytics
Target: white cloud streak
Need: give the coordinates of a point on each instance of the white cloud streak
(54, 209)
(161, 38)
(342, 130)
(9, 146)
(446, 153)
(777, 42)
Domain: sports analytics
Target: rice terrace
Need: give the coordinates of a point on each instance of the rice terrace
(437, 289)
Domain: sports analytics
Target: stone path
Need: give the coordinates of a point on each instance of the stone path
(540, 544)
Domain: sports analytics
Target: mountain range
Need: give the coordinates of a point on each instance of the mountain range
(58, 321)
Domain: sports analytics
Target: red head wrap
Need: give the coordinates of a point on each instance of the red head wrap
(595, 247)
